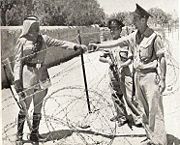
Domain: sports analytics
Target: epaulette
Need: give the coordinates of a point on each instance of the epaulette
(158, 34)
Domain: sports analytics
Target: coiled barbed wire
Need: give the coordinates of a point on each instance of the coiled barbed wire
(49, 120)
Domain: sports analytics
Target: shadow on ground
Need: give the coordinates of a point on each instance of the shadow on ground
(61, 134)
(57, 135)
(172, 140)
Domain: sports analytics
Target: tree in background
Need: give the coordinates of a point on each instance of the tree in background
(159, 17)
(83, 12)
(52, 12)
(125, 17)
(5, 5)
(70, 12)
(14, 11)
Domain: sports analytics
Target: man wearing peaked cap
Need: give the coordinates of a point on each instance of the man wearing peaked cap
(115, 23)
(141, 12)
(115, 27)
(147, 52)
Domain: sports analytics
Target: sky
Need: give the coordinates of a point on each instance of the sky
(114, 6)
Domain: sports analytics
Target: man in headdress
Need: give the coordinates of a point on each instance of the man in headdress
(147, 52)
(31, 79)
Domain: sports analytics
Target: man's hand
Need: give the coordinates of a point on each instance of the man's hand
(82, 47)
(139, 66)
(106, 52)
(110, 63)
(162, 85)
(93, 46)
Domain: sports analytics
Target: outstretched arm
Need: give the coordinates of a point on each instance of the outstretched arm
(124, 41)
(63, 44)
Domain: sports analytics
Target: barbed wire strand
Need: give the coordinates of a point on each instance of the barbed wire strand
(92, 80)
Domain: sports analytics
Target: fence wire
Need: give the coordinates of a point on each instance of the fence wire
(65, 107)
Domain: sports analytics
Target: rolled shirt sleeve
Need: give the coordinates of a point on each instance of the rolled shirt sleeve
(102, 55)
(159, 47)
(56, 42)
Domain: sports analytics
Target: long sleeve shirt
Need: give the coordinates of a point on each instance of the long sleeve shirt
(24, 52)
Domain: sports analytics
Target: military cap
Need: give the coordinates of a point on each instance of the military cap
(115, 23)
(141, 12)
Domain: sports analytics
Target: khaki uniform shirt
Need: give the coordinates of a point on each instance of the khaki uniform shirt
(143, 50)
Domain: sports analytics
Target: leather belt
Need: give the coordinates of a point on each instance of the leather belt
(145, 71)
(34, 65)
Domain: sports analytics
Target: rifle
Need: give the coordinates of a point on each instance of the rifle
(131, 105)
(117, 74)
(22, 105)
(114, 66)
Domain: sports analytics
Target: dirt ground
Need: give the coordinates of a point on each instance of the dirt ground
(65, 107)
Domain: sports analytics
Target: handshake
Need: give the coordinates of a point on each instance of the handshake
(83, 48)
(91, 47)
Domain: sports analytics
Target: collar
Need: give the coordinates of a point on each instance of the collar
(148, 32)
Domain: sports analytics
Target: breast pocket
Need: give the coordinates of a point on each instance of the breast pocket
(145, 53)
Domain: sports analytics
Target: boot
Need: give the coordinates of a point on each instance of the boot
(35, 136)
(20, 126)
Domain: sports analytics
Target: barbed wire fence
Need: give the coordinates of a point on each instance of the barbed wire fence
(64, 107)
